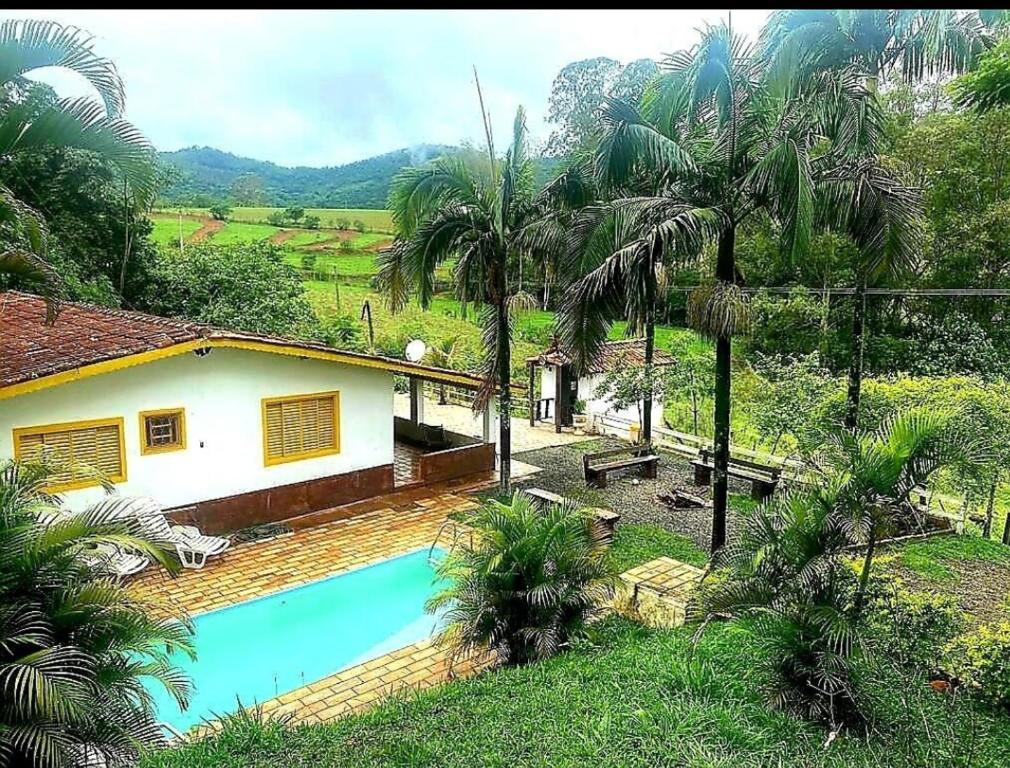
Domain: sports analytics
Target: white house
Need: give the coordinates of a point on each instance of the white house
(224, 429)
(560, 388)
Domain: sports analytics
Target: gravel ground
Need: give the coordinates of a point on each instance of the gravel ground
(634, 498)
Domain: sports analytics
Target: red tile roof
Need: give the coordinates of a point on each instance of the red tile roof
(84, 334)
(613, 354)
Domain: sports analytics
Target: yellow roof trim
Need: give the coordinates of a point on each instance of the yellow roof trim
(291, 350)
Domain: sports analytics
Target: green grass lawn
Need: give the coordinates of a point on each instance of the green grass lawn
(239, 232)
(166, 229)
(634, 698)
(309, 237)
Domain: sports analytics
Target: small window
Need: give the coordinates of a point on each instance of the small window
(162, 431)
(85, 453)
(300, 427)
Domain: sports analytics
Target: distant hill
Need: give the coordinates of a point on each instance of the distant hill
(202, 175)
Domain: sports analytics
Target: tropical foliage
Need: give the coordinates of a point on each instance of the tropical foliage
(77, 651)
(472, 209)
(28, 126)
(789, 573)
(527, 587)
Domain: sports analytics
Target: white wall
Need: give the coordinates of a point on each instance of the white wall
(222, 394)
(598, 406)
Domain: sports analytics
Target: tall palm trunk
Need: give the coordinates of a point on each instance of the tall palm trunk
(864, 576)
(856, 364)
(724, 273)
(504, 396)
(650, 345)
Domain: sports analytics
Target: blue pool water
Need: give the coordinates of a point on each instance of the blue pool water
(263, 648)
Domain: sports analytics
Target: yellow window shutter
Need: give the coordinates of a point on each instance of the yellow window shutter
(300, 427)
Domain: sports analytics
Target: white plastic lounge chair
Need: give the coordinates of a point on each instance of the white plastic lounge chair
(119, 562)
(192, 546)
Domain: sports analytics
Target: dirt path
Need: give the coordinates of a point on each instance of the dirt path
(279, 238)
(210, 226)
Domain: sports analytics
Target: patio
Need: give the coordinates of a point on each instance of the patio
(318, 548)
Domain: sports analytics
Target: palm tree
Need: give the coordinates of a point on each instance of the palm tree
(715, 134)
(882, 216)
(527, 587)
(443, 354)
(874, 44)
(785, 573)
(872, 474)
(913, 43)
(82, 123)
(75, 647)
(475, 210)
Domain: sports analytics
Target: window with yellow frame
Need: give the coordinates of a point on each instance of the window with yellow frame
(300, 427)
(82, 453)
(162, 431)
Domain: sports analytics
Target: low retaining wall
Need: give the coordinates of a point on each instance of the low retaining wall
(456, 463)
(270, 505)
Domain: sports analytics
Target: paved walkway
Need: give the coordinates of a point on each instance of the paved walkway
(657, 593)
(459, 418)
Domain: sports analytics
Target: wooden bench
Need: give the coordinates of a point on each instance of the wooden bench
(595, 466)
(604, 520)
(764, 478)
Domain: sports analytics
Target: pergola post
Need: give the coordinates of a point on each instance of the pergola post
(488, 423)
(557, 398)
(533, 417)
(416, 400)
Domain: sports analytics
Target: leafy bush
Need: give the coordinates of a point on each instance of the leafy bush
(982, 659)
(220, 212)
(358, 225)
(527, 587)
(912, 628)
(245, 286)
(311, 222)
(342, 331)
(277, 218)
(790, 325)
(75, 646)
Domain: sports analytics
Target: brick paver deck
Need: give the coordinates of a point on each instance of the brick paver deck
(657, 592)
(316, 549)
(262, 567)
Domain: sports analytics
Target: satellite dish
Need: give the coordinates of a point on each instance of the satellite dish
(415, 351)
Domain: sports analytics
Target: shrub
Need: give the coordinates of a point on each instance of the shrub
(982, 660)
(358, 226)
(309, 262)
(342, 331)
(912, 628)
(245, 286)
(527, 587)
(220, 212)
(75, 646)
(311, 222)
(277, 219)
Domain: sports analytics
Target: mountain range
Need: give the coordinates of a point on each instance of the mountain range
(201, 176)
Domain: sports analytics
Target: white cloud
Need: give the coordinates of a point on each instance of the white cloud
(326, 87)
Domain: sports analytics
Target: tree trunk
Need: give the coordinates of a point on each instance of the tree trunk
(989, 510)
(504, 398)
(864, 576)
(1006, 529)
(856, 364)
(724, 273)
(650, 344)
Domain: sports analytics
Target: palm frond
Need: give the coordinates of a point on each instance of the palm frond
(28, 45)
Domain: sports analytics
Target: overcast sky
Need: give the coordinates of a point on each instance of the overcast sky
(328, 87)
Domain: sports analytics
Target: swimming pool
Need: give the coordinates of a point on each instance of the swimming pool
(254, 651)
